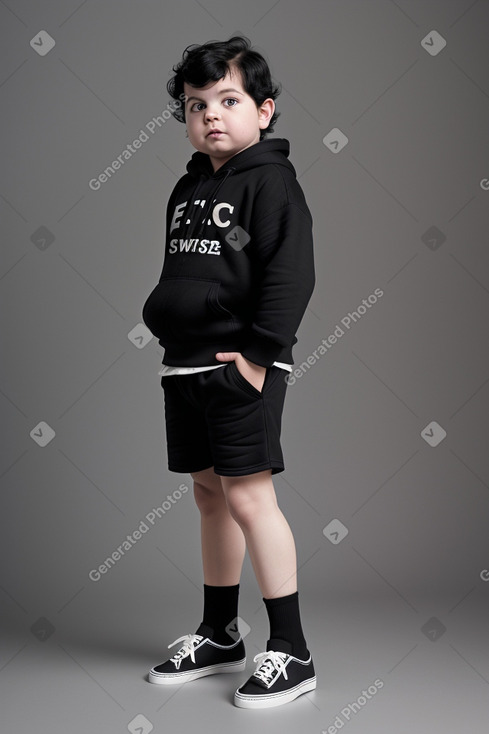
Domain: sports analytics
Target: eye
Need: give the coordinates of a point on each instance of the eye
(231, 99)
(197, 106)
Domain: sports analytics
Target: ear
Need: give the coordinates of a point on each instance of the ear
(265, 113)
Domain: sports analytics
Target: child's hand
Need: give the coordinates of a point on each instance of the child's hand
(254, 373)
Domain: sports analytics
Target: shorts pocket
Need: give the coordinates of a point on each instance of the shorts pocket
(243, 383)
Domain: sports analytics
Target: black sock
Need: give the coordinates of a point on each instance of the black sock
(220, 611)
(285, 623)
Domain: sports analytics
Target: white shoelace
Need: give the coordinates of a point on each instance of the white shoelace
(188, 648)
(268, 664)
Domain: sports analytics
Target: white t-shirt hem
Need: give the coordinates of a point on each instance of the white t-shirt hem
(167, 370)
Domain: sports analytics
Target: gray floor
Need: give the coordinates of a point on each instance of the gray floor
(89, 673)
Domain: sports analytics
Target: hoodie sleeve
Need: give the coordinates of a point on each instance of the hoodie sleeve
(282, 245)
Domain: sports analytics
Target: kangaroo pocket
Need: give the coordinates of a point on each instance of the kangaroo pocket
(186, 308)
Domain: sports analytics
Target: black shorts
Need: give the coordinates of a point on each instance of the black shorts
(217, 418)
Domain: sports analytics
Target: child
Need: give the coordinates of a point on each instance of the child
(237, 276)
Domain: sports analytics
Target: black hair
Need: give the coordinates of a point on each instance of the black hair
(212, 61)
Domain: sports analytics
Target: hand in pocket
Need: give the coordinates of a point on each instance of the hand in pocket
(253, 373)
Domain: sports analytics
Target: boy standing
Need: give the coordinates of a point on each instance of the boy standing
(237, 276)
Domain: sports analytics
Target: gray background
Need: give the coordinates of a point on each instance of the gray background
(403, 598)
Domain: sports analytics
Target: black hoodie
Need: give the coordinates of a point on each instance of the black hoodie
(238, 270)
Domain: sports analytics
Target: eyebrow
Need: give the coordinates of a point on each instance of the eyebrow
(223, 91)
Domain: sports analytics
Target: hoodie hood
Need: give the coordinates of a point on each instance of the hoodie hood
(275, 151)
(262, 153)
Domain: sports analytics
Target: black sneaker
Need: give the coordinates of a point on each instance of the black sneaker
(279, 678)
(199, 656)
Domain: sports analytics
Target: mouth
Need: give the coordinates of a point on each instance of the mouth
(214, 133)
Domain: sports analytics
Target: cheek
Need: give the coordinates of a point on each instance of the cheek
(190, 130)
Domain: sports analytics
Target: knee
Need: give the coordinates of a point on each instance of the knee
(208, 494)
(246, 507)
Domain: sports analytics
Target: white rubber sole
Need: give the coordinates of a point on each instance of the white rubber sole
(266, 701)
(170, 679)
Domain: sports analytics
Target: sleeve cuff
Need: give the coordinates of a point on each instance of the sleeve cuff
(261, 351)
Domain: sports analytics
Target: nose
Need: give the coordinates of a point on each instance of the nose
(211, 113)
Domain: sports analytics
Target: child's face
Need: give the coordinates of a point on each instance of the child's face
(225, 106)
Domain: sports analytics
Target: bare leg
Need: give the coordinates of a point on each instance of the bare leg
(253, 504)
(223, 542)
